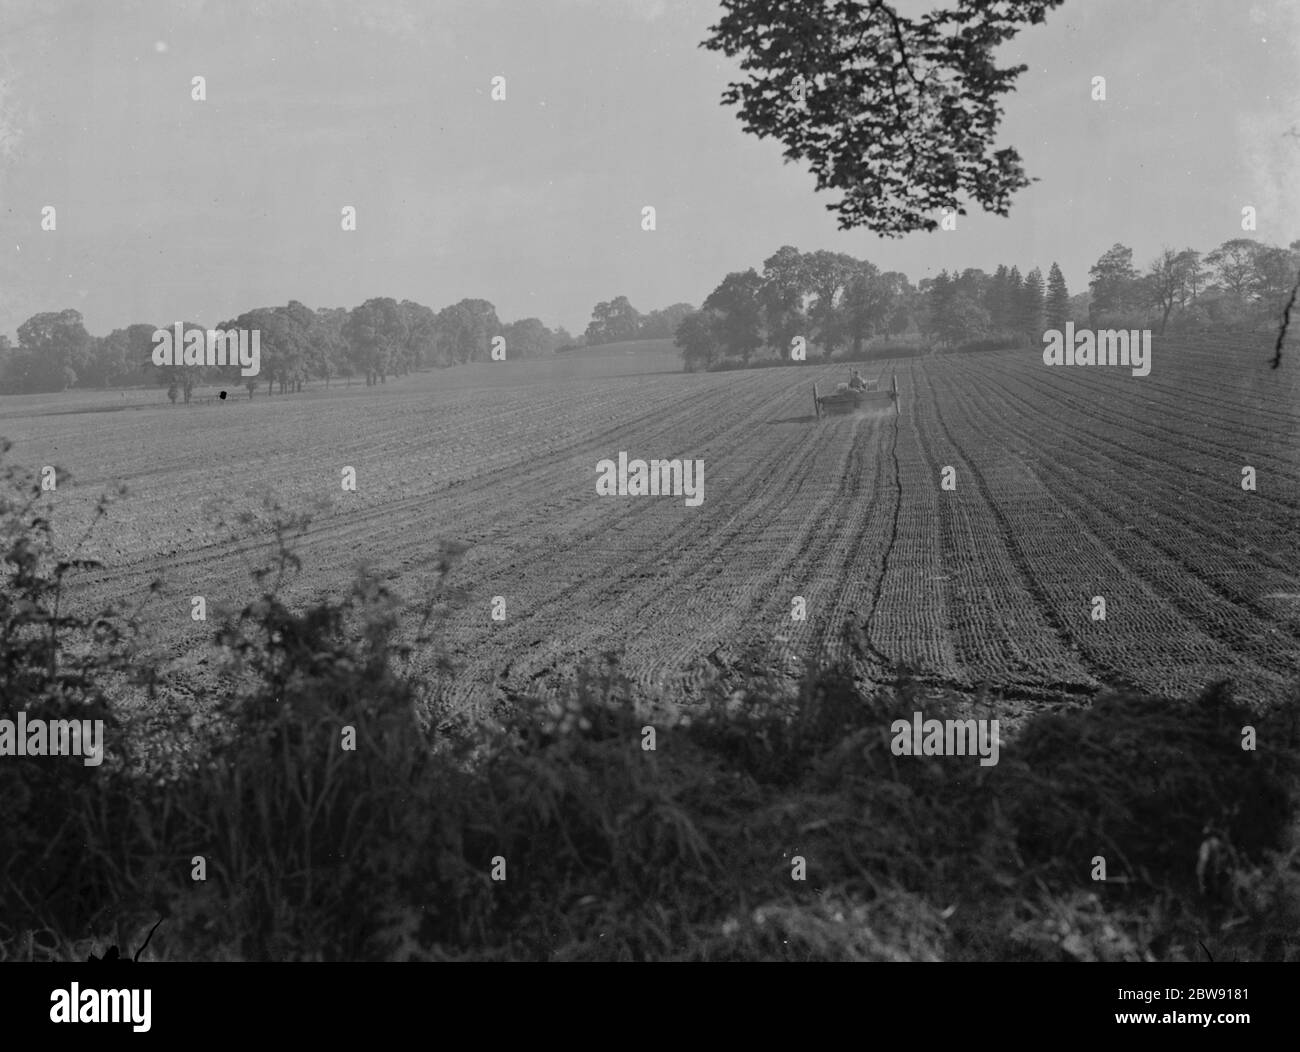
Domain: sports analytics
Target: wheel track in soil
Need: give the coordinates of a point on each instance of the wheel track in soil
(481, 493)
(843, 565)
(1245, 386)
(916, 623)
(1227, 385)
(1099, 665)
(332, 541)
(1082, 398)
(1155, 474)
(780, 472)
(878, 589)
(607, 590)
(1028, 658)
(1204, 618)
(965, 652)
(594, 517)
(757, 597)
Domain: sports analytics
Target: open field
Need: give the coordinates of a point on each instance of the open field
(1070, 484)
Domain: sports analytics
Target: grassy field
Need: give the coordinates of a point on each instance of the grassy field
(1070, 484)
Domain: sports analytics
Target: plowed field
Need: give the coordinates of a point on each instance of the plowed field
(1071, 483)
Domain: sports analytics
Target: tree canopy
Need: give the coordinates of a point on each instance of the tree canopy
(898, 114)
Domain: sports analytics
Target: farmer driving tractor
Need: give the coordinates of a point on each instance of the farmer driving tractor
(856, 394)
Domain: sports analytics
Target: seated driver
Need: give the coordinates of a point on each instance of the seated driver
(856, 382)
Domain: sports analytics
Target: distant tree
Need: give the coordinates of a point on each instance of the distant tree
(93, 374)
(1193, 275)
(180, 375)
(526, 338)
(972, 282)
(465, 330)
(1224, 310)
(696, 335)
(624, 320)
(1234, 264)
(900, 319)
(486, 325)
(825, 275)
(951, 313)
(781, 298)
(864, 305)
(898, 295)
(1275, 275)
(739, 325)
(613, 322)
(126, 355)
(1114, 282)
(961, 319)
(375, 332)
(997, 299)
(1165, 281)
(661, 324)
(936, 294)
(1030, 313)
(1015, 292)
(900, 114)
(281, 341)
(420, 348)
(300, 330)
(1056, 309)
(53, 348)
(1081, 306)
(561, 337)
(597, 332)
(329, 348)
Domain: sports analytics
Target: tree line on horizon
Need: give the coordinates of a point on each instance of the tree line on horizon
(835, 301)
(831, 299)
(381, 337)
(617, 321)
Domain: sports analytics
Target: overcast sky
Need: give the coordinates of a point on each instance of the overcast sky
(171, 208)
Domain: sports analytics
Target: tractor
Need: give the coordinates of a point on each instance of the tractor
(849, 397)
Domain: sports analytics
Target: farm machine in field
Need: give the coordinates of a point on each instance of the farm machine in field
(856, 394)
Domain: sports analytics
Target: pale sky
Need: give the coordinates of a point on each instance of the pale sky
(169, 208)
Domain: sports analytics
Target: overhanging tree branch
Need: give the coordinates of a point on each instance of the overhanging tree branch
(904, 113)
